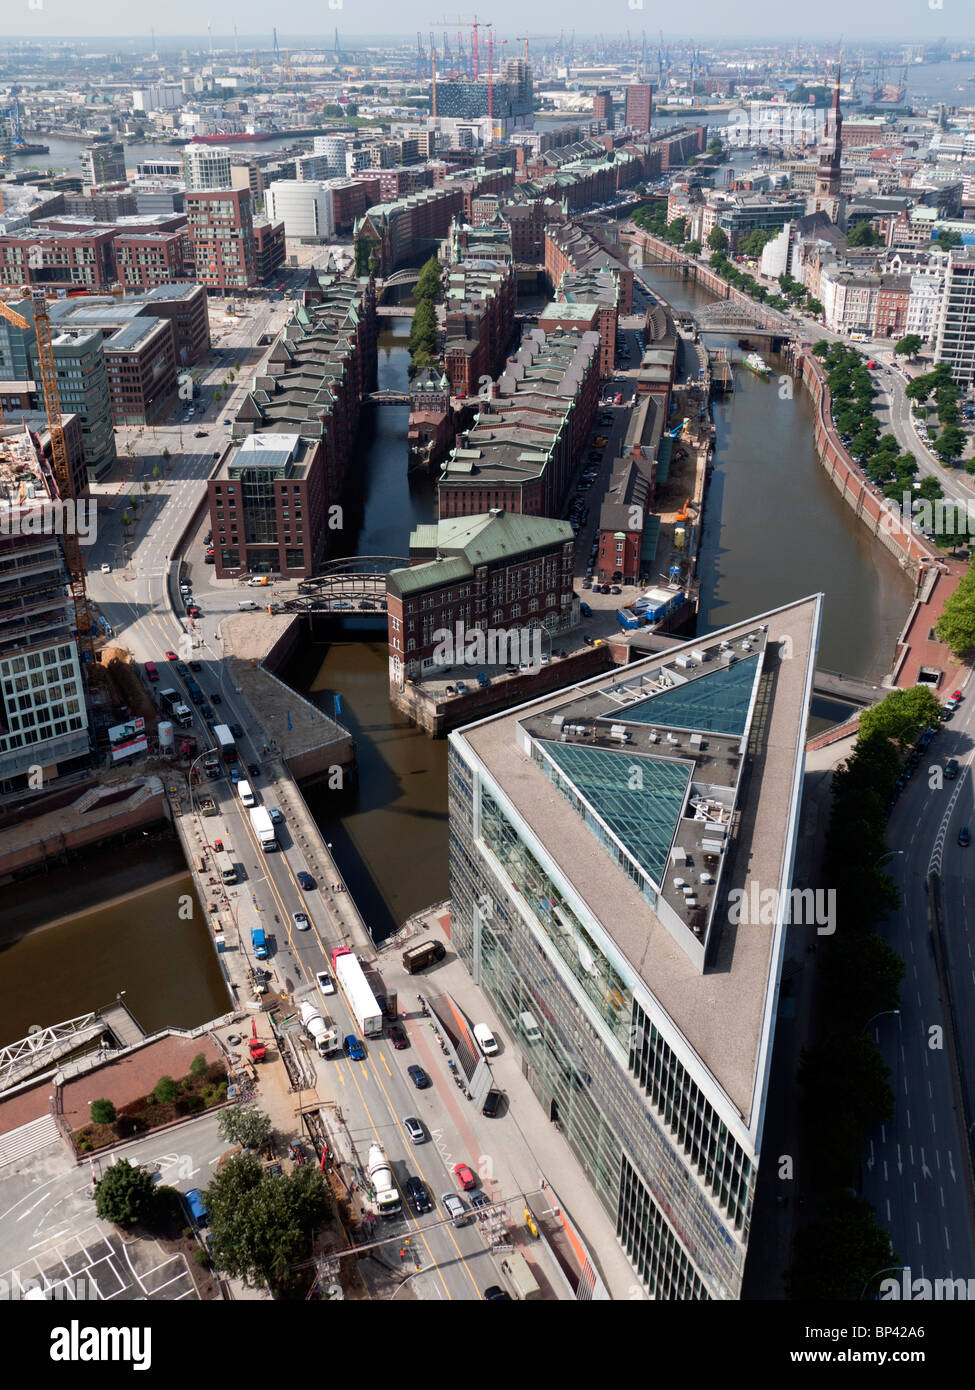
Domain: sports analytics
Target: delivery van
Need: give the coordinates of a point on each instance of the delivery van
(486, 1040)
(515, 1268)
(247, 605)
(247, 797)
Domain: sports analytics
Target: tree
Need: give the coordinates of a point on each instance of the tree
(126, 520)
(956, 626)
(946, 239)
(198, 1066)
(102, 1112)
(908, 346)
(244, 1125)
(863, 234)
(814, 307)
(693, 248)
(949, 444)
(755, 242)
(838, 1253)
(124, 1194)
(822, 348)
(261, 1225)
(429, 285)
(715, 145)
(677, 230)
(930, 489)
(901, 715)
(843, 1077)
(165, 1090)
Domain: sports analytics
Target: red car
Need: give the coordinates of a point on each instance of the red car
(465, 1177)
(193, 611)
(398, 1038)
(619, 398)
(171, 656)
(955, 695)
(151, 672)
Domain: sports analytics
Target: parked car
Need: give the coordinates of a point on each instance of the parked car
(465, 1177)
(419, 1077)
(492, 1102)
(353, 1048)
(325, 982)
(415, 1131)
(305, 879)
(397, 1037)
(277, 816)
(455, 1208)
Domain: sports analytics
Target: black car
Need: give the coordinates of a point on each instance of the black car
(964, 837)
(208, 714)
(237, 730)
(417, 1195)
(216, 698)
(951, 768)
(195, 665)
(254, 769)
(491, 1102)
(495, 1294)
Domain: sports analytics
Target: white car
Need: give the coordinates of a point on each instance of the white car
(455, 1208)
(300, 920)
(106, 569)
(325, 982)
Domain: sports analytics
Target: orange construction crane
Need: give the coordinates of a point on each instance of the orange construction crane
(59, 455)
(523, 38)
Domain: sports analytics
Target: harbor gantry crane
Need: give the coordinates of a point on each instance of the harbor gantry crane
(59, 456)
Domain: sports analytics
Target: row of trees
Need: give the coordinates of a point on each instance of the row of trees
(852, 391)
(743, 281)
(424, 334)
(950, 441)
(842, 1077)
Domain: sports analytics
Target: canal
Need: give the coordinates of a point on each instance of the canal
(775, 528)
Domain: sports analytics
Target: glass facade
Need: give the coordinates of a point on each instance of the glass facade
(673, 1181)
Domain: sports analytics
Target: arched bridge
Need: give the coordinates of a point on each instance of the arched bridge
(408, 276)
(388, 397)
(734, 315)
(358, 582)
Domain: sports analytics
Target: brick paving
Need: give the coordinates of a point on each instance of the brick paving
(131, 1077)
(921, 649)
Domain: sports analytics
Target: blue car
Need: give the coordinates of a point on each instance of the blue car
(418, 1076)
(354, 1049)
(306, 881)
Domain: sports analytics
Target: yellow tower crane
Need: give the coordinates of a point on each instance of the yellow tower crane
(59, 455)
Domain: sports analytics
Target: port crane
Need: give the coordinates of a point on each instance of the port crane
(59, 456)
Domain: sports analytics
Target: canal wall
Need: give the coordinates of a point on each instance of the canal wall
(911, 550)
(101, 813)
(690, 269)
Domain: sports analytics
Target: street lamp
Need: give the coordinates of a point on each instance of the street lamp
(894, 1013)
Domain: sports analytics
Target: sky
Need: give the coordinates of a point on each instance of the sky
(920, 20)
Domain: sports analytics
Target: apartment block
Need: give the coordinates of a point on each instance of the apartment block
(104, 163)
(151, 258)
(43, 714)
(205, 167)
(956, 327)
(221, 230)
(479, 316)
(71, 260)
(638, 113)
(495, 570)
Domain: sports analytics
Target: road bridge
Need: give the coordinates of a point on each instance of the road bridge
(853, 689)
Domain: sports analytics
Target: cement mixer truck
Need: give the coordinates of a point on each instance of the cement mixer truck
(381, 1177)
(321, 1031)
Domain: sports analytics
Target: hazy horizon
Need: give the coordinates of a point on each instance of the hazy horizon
(309, 20)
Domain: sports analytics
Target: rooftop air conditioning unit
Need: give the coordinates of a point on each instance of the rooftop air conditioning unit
(683, 661)
(695, 741)
(699, 654)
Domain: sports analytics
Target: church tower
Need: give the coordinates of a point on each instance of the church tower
(827, 196)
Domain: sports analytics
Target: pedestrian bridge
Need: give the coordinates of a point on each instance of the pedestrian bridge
(853, 689)
(395, 311)
(388, 397)
(735, 316)
(359, 581)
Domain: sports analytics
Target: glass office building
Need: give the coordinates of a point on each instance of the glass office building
(595, 837)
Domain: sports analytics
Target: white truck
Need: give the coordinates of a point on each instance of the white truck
(358, 995)
(320, 1029)
(263, 827)
(381, 1177)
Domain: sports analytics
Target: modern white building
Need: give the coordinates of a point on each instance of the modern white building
(334, 148)
(205, 167)
(160, 96)
(927, 291)
(956, 325)
(791, 125)
(609, 845)
(304, 208)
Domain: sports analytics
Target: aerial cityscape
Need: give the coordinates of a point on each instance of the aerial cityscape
(486, 615)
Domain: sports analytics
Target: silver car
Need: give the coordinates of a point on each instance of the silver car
(416, 1132)
(455, 1208)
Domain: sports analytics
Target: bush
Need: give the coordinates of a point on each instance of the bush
(198, 1066)
(164, 1090)
(102, 1112)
